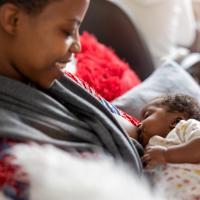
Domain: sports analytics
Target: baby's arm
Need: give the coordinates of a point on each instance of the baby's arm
(182, 153)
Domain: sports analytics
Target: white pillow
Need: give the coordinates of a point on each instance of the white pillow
(162, 23)
(169, 78)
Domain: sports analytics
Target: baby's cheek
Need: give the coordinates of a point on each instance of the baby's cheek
(144, 139)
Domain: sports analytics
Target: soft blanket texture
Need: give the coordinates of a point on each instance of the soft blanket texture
(66, 116)
(57, 175)
(179, 181)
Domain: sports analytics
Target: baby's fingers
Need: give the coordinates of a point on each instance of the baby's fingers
(145, 159)
(148, 149)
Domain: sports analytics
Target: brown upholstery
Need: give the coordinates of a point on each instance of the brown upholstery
(113, 27)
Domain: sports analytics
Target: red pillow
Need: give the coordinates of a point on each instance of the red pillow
(100, 67)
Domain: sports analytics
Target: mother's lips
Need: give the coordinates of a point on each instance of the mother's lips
(62, 64)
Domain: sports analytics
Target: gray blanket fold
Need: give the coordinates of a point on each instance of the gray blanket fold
(65, 115)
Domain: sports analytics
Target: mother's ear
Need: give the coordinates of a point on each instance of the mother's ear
(9, 17)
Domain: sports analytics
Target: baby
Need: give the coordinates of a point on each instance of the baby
(160, 116)
(163, 123)
(170, 131)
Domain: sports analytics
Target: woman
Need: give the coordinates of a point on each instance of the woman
(37, 102)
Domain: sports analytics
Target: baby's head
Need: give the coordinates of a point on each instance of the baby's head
(162, 114)
(38, 38)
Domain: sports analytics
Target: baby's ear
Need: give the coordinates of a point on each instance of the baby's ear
(176, 121)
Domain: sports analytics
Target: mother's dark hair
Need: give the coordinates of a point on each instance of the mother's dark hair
(30, 6)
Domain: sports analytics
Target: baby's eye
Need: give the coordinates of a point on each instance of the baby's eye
(146, 114)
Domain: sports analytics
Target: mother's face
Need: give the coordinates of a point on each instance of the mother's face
(44, 42)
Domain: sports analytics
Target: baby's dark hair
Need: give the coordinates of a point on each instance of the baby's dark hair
(180, 103)
(31, 6)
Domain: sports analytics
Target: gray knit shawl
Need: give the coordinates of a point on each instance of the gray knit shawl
(65, 115)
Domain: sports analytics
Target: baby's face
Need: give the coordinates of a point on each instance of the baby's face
(155, 120)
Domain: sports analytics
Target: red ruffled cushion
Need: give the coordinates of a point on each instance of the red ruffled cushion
(100, 67)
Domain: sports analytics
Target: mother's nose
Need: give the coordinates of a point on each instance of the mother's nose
(75, 47)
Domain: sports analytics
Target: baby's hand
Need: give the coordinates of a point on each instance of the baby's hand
(154, 155)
